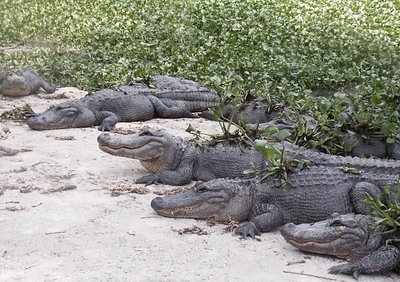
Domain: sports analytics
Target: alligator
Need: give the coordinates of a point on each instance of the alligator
(163, 82)
(346, 236)
(175, 161)
(107, 107)
(15, 85)
(316, 193)
(252, 112)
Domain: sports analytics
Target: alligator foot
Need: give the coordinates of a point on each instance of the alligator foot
(148, 180)
(348, 268)
(247, 229)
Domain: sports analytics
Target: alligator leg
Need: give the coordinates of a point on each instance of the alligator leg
(357, 195)
(47, 87)
(168, 112)
(108, 120)
(268, 218)
(181, 176)
(381, 261)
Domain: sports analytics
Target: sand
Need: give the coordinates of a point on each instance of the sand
(59, 221)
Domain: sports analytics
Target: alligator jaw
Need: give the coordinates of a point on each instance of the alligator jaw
(135, 147)
(343, 236)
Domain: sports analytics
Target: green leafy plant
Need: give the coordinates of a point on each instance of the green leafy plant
(387, 214)
(279, 164)
(318, 58)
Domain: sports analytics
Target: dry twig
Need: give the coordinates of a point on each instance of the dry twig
(57, 189)
(191, 230)
(124, 189)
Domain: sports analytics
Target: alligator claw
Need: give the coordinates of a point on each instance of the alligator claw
(104, 127)
(247, 229)
(348, 268)
(147, 180)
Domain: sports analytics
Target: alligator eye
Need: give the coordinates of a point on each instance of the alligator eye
(201, 189)
(145, 133)
(336, 222)
(70, 113)
(346, 223)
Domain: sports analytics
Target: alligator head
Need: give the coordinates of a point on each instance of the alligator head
(64, 115)
(219, 199)
(156, 149)
(344, 236)
(13, 84)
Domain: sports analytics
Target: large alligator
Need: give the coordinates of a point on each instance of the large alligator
(16, 85)
(347, 237)
(134, 103)
(316, 193)
(175, 161)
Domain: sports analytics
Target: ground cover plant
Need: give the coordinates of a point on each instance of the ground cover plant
(286, 52)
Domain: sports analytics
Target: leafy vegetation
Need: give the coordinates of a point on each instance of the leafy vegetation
(387, 214)
(284, 52)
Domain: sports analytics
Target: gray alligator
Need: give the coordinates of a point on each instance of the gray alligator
(175, 161)
(29, 82)
(347, 237)
(136, 103)
(252, 112)
(316, 193)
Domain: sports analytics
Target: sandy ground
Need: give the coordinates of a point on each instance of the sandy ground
(85, 234)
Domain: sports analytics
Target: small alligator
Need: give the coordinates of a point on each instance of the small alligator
(316, 193)
(176, 162)
(347, 237)
(107, 107)
(15, 85)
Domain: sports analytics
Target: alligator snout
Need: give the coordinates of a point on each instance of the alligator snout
(287, 229)
(156, 203)
(103, 138)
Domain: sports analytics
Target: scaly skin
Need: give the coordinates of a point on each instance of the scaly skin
(107, 107)
(15, 85)
(186, 161)
(347, 237)
(316, 193)
(253, 112)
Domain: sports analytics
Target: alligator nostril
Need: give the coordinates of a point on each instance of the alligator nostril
(291, 225)
(103, 137)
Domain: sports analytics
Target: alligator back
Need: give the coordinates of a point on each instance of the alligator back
(385, 166)
(318, 192)
(222, 161)
(126, 107)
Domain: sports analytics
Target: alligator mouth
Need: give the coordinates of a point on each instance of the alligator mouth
(34, 122)
(172, 212)
(145, 152)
